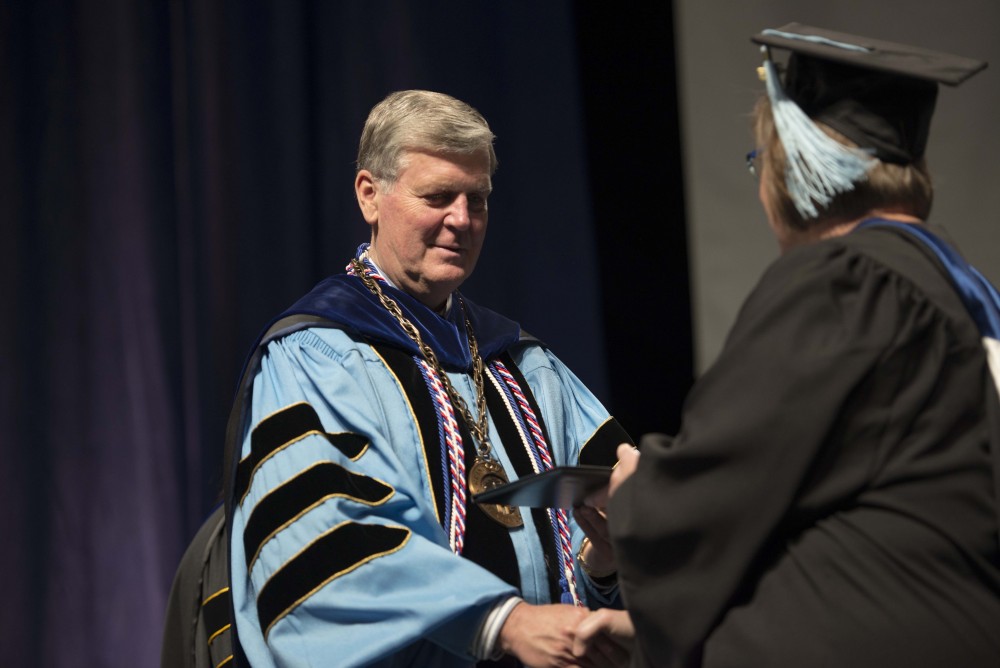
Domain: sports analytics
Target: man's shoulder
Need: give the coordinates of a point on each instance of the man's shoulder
(336, 299)
(531, 355)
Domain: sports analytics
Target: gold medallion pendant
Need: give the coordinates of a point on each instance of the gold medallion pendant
(484, 475)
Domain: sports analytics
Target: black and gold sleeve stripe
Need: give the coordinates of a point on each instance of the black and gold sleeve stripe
(215, 613)
(292, 499)
(600, 448)
(285, 427)
(335, 553)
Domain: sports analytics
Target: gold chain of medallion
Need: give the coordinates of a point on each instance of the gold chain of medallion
(479, 428)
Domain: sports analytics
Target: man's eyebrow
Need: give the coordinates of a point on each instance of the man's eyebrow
(452, 187)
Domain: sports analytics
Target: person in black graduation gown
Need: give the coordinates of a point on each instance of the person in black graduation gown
(830, 499)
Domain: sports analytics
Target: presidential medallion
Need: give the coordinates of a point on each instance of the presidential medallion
(484, 475)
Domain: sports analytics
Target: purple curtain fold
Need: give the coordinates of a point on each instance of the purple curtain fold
(174, 173)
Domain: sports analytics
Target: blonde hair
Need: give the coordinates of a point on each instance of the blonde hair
(899, 188)
(420, 120)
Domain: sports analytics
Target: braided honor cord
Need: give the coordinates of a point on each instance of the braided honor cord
(557, 516)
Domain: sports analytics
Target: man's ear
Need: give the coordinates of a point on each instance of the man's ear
(367, 193)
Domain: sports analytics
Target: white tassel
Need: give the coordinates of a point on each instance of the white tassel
(818, 167)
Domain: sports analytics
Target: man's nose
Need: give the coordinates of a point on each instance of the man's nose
(458, 212)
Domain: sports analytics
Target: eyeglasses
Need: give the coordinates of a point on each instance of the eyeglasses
(753, 162)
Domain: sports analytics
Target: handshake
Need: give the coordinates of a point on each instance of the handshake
(564, 635)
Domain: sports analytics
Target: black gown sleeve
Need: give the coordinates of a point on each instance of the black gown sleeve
(701, 512)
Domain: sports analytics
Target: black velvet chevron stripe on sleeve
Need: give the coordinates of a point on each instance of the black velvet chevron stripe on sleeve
(599, 450)
(287, 426)
(337, 552)
(215, 612)
(299, 494)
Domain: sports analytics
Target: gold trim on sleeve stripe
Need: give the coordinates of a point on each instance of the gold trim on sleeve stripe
(218, 633)
(338, 574)
(319, 502)
(218, 593)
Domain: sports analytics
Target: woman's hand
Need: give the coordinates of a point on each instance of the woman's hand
(628, 460)
(605, 638)
(596, 557)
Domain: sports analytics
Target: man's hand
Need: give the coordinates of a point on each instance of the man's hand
(541, 636)
(604, 639)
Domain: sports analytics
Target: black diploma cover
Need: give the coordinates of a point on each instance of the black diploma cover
(559, 487)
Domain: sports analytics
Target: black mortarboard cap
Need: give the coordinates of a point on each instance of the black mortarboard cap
(879, 94)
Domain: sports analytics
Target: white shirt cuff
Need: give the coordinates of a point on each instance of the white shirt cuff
(484, 645)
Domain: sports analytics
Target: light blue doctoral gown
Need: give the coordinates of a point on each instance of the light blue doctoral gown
(402, 598)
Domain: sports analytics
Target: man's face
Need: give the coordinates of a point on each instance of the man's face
(428, 227)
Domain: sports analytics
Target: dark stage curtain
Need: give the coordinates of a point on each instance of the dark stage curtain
(175, 172)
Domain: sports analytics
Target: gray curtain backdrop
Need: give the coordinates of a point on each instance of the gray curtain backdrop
(730, 242)
(175, 172)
